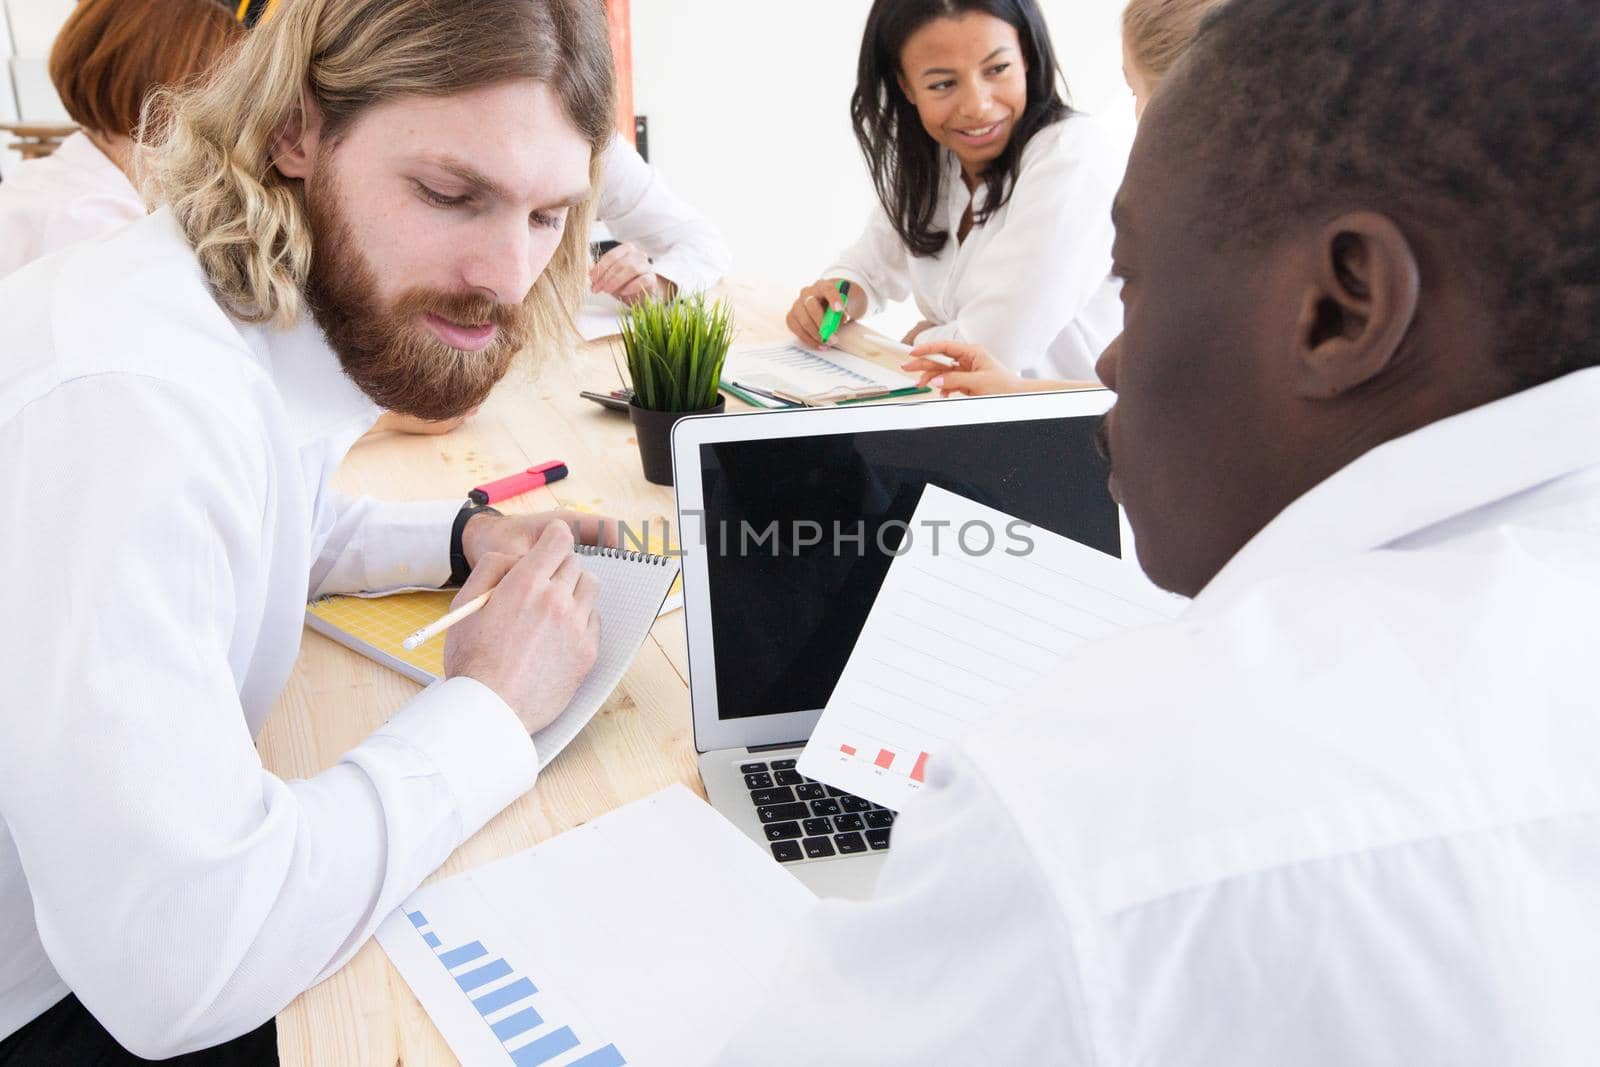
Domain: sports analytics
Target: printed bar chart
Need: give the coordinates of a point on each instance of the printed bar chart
(885, 758)
(472, 966)
(848, 750)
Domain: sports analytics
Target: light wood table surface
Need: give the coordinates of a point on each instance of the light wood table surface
(640, 742)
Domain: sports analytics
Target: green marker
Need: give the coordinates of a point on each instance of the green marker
(832, 319)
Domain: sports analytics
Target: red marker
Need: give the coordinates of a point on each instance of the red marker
(517, 484)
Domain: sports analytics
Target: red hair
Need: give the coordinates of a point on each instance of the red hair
(111, 53)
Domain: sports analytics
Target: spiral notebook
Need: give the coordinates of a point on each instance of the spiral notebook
(632, 588)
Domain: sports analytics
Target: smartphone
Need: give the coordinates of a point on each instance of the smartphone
(616, 400)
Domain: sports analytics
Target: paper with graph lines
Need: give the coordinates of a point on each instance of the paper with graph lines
(952, 637)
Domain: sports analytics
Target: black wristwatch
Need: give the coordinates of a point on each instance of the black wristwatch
(460, 569)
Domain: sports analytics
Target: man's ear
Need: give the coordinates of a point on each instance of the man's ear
(294, 147)
(1359, 307)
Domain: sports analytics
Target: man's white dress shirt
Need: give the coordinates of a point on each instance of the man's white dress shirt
(1345, 810)
(635, 206)
(74, 194)
(1033, 284)
(166, 471)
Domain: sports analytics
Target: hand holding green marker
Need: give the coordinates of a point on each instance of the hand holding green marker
(831, 319)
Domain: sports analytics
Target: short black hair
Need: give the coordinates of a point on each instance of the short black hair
(1473, 121)
(903, 159)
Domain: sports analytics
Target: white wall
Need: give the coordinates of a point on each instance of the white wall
(749, 109)
(27, 28)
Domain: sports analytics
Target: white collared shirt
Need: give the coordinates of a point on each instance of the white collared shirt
(168, 477)
(74, 194)
(1033, 284)
(636, 206)
(1345, 810)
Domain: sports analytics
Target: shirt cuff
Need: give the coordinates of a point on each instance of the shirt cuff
(875, 302)
(475, 742)
(684, 273)
(412, 546)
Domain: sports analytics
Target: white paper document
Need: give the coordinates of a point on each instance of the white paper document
(954, 635)
(808, 376)
(597, 316)
(633, 939)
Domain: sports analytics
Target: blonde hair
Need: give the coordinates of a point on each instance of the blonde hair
(209, 159)
(1157, 32)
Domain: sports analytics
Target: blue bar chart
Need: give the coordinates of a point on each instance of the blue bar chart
(508, 1008)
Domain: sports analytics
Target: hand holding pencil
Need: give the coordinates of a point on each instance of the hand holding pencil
(535, 633)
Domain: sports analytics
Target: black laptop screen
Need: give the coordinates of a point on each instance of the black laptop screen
(801, 531)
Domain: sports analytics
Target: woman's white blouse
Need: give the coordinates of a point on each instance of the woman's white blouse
(1033, 284)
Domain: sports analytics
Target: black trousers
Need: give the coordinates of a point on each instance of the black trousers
(68, 1036)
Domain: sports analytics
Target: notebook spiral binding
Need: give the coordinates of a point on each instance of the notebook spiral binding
(628, 554)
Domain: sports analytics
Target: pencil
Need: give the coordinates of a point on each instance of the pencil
(445, 621)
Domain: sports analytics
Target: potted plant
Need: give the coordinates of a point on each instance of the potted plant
(675, 349)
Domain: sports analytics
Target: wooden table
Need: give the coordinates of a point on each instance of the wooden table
(640, 742)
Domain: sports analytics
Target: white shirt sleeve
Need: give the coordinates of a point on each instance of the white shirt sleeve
(377, 545)
(962, 955)
(687, 249)
(181, 891)
(1051, 257)
(877, 262)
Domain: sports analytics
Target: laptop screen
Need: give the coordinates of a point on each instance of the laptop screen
(800, 532)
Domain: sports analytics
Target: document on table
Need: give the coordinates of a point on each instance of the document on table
(952, 637)
(627, 940)
(597, 316)
(807, 376)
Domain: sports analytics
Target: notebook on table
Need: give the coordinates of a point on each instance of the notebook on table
(633, 586)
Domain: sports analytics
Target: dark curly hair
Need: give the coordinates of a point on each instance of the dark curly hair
(1473, 120)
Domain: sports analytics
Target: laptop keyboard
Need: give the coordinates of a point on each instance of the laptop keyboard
(806, 820)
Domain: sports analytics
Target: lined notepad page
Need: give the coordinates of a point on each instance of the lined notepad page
(632, 588)
(800, 372)
(952, 638)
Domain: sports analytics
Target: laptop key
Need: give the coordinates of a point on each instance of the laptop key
(788, 778)
(786, 851)
(878, 838)
(808, 792)
(854, 804)
(848, 822)
(835, 791)
(781, 812)
(818, 847)
(817, 826)
(782, 831)
(825, 807)
(780, 795)
(783, 764)
(760, 780)
(880, 820)
(849, 844)
(751, 768)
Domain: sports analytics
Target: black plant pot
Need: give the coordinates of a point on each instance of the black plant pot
(654, 431)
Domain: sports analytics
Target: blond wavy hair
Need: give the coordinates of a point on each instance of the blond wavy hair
(1159, 31)
(205, 151)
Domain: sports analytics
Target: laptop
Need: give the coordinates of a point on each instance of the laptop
(788, 522)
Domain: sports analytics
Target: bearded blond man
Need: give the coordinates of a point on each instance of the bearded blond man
(375, 201)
